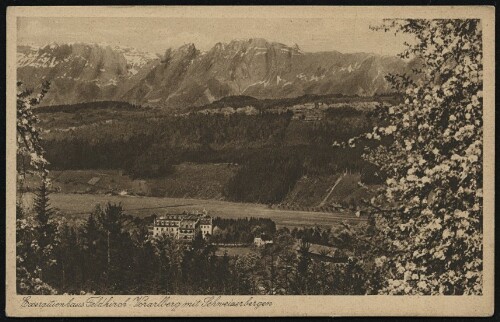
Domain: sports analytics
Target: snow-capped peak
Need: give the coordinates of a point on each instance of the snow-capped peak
(43, 56)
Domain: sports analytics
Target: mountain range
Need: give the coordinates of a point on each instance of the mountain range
(185, 76)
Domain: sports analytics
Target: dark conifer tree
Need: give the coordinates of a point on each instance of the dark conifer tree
(111, 220)
(303, 265)
(43, 212)
(45, 232)
(92, 243)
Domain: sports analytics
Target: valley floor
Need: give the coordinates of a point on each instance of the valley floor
(74, 205)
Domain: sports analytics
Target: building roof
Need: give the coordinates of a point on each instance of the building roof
(321, 250)
(192, 217)
(188, 223)
(166, 223)
(206, 221)
(171, 217)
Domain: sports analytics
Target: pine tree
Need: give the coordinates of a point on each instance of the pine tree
(43, 213)
(92, 238)
(45, 232)
(70, 266)
(111, 220)
(303, 265)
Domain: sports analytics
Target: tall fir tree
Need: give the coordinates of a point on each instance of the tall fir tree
(45, 231)
(43, 214)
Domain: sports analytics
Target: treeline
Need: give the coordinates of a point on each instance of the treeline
(89, 106)
(267, 179)
(145, 146)
(191, 137)
(241, 230)
(112, 254)
(107, 256)
(314, 235)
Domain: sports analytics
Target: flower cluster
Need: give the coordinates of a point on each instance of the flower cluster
(434, 163)
(29, 150)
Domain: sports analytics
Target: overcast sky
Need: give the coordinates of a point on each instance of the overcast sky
(157, 34)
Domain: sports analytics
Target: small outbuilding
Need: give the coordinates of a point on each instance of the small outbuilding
(261, 241)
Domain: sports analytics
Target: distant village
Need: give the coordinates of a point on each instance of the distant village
(313, 111)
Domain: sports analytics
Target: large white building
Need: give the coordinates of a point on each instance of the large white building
(183, 226)
(206, 226)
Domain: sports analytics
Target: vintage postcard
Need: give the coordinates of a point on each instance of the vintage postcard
(250, 161)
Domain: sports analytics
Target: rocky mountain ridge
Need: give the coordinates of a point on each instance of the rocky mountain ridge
(185, 76)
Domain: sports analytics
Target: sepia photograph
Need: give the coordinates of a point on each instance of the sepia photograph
(267, 161)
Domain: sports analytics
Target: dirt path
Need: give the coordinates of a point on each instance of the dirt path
(322, 203)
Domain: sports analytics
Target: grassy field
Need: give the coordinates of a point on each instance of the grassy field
(310, 191)
(82, 204)
(202, 181)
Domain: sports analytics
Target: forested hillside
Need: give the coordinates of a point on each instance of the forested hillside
(270, 150)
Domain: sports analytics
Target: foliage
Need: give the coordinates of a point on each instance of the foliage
(266, 179)
(105, 105)
(29, 148)
(429, 213)
(35, 233)
(35, 246)
(113, 253)
(241, 230)
(315, 235)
